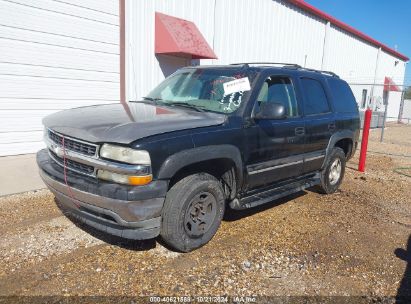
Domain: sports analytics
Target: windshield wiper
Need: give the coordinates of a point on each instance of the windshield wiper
(186, 105)
(162, 102)
(154, 100)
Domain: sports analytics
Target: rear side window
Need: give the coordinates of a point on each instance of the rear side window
(316, 100)
(343, 98)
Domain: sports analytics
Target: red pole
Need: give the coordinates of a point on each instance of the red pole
(364, 140)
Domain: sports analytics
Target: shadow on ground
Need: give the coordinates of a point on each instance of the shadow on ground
(404, 291)
(143, 245)
(134, 245)
(235, 215)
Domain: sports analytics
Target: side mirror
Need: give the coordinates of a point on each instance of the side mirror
(271, 110)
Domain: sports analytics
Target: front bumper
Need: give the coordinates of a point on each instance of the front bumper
(121, 210)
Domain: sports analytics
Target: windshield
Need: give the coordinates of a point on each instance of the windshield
(217, 90)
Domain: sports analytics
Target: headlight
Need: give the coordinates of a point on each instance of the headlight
(124, 179)
(125, 155)
(130, 156)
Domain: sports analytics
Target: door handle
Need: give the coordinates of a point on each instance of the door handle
(331, 127)
(300, 131)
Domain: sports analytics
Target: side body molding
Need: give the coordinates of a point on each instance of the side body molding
(191, 156)
(336, 137)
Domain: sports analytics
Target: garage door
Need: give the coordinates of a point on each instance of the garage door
(55, 55)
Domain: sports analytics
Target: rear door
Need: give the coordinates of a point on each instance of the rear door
(319, 121)
(345, 106)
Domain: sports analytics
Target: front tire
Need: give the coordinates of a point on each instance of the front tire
(192, 212)
(332, 175)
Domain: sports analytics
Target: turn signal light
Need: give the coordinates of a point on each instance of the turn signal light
(140, 180)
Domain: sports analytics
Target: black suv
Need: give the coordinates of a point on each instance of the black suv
(205, 139)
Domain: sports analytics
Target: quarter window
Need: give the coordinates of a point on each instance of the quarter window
(344, 100)
(279, 90)
(316, 100)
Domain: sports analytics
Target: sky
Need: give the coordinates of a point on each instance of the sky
(388, 21)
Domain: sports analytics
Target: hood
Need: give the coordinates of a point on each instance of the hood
(126, 123)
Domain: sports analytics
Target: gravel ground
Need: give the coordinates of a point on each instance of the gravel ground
(307, 244)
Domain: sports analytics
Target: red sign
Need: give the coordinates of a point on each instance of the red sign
(389, 85)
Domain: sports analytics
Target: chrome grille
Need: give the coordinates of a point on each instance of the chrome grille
(72, 144)
(73, 165)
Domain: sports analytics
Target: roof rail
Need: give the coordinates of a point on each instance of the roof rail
(268, 63)
(291, 65)
(330, 73)
(322, 72)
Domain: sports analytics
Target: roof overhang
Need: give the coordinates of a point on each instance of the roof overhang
(315, 11)
(179, 37)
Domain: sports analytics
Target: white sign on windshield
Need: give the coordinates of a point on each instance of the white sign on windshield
(238, 85)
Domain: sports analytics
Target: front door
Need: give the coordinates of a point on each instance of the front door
(276, 147)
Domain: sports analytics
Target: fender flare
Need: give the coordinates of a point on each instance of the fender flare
(346, 134)
(187, 157)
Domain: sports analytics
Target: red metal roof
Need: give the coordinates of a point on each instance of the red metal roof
(315, 11)
(179, 37)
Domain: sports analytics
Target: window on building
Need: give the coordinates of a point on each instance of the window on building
(316, 100)
(279, 90)
(364, 98)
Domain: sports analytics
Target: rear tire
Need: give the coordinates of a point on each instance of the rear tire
(192, 212)
(333, 173)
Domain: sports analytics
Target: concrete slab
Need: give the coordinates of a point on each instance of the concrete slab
(19, 174)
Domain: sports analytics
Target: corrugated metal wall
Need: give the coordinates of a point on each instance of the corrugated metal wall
(406, 114)
(144, 69)
(352, 59)
(262, 30)
(394, 68)
(59, 54)
(259, 30)
(237, 30)
(54, 55)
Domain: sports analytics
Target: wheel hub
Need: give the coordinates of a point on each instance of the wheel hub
(335, 171)
(200, 214)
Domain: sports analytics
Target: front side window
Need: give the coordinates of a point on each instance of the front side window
(279, 90)
(216, 90)
(316, 100)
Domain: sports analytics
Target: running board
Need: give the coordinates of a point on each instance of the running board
(267, 195)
